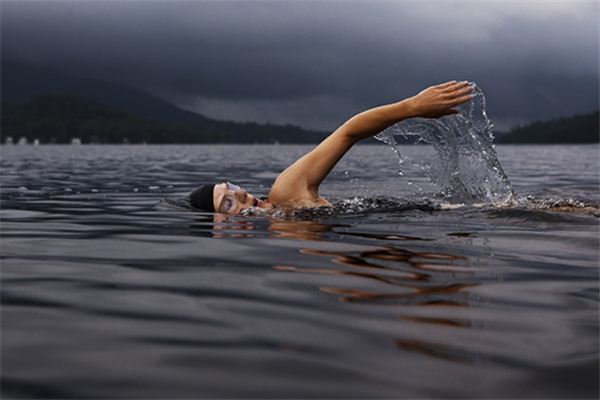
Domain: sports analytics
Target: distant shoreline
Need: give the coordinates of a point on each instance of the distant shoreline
(67, 118)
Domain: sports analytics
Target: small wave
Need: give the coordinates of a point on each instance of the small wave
(350, 206)
(568, 205)
(524, 207)
(541, 210)
(382, 204)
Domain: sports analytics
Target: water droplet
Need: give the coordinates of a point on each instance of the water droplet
(465, 166)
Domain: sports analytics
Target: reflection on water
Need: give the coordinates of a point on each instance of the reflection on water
(385, 276)
(107, 293)
(235, 227)
(408, 279)
(301, 230)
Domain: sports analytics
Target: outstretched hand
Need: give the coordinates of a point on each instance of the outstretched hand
(440, 100)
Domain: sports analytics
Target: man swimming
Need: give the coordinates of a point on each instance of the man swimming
(298, 185)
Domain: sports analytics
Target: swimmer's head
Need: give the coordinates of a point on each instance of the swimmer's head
(225, 198)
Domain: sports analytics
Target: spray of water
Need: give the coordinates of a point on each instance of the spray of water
(466, 167)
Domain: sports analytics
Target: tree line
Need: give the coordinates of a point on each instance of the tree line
(577, 129)
(57, 118)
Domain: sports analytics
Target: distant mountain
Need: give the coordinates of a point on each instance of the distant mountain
(57, 118)
(21, 82)
(577, 129)
(26, 87)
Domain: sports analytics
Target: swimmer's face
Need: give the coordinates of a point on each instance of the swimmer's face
(231, 199)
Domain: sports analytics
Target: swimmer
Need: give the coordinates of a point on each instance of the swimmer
(298, 185)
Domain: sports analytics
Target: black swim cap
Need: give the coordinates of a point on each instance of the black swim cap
(202, 198)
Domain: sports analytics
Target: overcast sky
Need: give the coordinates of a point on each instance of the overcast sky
(314, 63)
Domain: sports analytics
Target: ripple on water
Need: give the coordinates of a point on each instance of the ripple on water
(109, 295)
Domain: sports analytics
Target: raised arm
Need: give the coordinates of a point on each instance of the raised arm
(300, 181)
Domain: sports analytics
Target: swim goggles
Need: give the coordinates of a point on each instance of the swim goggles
(229, 203)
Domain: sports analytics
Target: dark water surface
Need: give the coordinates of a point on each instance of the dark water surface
(110, 290)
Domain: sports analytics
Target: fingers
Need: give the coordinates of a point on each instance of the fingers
(461, 91)
(458, 86)
(445, 85)
(452, 85)
(458, 93)
(462, 99)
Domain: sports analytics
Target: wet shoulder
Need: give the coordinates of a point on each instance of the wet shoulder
(292, 191)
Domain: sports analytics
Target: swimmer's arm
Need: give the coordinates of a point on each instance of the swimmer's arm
(302, 179)
(433, 102)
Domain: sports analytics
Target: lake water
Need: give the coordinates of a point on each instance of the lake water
(110, 289)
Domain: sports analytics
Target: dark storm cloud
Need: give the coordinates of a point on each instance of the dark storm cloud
(315, 63)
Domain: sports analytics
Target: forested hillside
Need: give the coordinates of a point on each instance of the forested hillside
(577, 129)
(57, 118)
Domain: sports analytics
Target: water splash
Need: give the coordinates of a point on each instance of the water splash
(466, 168)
